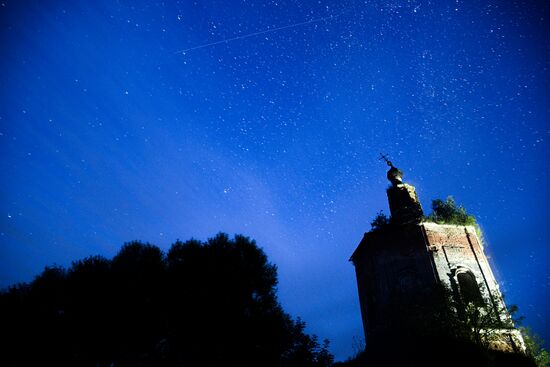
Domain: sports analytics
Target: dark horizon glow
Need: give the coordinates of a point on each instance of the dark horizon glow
(270, 123)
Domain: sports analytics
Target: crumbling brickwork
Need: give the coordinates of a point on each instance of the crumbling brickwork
(397, 267)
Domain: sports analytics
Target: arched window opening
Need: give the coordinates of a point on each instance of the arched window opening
(469, 289)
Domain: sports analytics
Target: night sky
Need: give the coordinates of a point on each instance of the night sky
(123, 120)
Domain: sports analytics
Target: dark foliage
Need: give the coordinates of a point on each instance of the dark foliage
(380, 222)
(427, 351)
(427, 331)
(535, 350)
(443, 212)
(203, 304)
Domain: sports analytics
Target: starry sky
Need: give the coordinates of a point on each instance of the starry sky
(159, 120)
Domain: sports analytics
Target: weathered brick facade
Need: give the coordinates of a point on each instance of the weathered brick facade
(398, 266)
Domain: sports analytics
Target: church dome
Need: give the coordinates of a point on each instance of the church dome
(395, 175)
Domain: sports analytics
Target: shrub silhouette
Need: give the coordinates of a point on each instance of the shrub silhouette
(207, 303)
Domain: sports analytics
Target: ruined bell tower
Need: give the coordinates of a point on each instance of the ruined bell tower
(400, 265)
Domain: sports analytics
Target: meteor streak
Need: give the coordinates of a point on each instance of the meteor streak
(271, 30)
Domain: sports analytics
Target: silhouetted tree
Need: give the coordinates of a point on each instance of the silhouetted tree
(203, 304)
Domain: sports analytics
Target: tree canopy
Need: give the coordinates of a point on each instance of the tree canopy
(206, 303)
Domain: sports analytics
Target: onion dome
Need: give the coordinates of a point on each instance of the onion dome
(395, 175)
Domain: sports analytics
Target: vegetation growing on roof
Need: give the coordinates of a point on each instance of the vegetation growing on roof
(380, 222)
(449, 212)
(443, 212)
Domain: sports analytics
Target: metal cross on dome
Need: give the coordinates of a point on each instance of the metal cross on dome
(385, 158)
